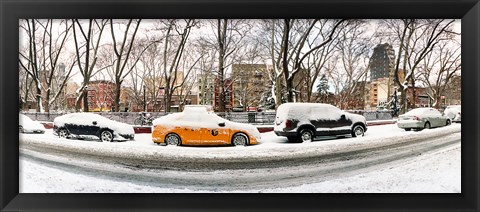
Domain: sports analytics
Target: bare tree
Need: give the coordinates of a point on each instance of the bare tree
(416, 40)
(205, 73)
(353, 54)
(227, 40)
(145, 77)
(87, 53)
(122, 50)
(176, 36)
(317, 63)
(289, 47)
(41, 59)
(438, 69)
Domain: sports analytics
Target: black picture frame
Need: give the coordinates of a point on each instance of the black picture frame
(13, 10)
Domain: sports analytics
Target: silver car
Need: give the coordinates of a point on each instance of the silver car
(422, 118)
(454, 112)
(27, 125)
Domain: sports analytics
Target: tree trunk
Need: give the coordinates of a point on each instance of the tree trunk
(278, 91)
(288, 82)
(85, 100)
(38, 97)
(168, 98)
(118, 90)
(221, 56)
(47, 101)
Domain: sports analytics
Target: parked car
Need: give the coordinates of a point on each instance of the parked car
(303, 121)
(92, 125)
(422, 118)
(454, 113)
(27, 125)
(198, 127)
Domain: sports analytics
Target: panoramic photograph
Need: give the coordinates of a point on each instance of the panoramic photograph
(240, 105)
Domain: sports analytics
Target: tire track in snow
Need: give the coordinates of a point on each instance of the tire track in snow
(236, 175)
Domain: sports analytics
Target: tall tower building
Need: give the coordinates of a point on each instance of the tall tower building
(382, 61)
(381, 66)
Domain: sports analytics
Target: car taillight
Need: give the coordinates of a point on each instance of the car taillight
(288, 123)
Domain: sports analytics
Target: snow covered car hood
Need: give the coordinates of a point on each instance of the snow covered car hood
(355, 118)
(87, 118)
(28, 124)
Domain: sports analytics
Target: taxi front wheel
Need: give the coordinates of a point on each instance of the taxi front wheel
(240, 139)
(173, 139)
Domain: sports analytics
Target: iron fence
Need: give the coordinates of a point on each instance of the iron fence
(256, 118)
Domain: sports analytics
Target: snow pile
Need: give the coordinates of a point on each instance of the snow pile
(271, 148)
(87, 119)
(28, 124)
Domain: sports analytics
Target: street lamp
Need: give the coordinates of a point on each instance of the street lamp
(164, 100)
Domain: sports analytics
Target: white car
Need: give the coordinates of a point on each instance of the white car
(454, 112)
(27, 125)
(422, 118)
(92, 125)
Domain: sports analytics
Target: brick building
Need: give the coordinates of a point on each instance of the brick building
(228, 84)
(250, 83)
(101, 95)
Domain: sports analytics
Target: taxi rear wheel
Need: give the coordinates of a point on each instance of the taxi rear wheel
(173, 139)
(240, 139)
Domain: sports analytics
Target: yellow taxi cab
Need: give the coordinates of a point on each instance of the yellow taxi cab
(198, 127)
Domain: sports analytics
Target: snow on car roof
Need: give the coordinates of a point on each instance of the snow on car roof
(28, 123)
(422, 111)
(197, 109)
(304, 111)
(454, 106)
(198, 120)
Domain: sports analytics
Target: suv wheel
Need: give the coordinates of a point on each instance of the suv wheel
(306, 135)
(358, 131)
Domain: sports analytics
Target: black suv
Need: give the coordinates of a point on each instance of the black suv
(303, 121)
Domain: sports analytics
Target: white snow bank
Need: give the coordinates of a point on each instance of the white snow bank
(264, 151)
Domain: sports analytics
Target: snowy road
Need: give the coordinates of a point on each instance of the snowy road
(229, 169)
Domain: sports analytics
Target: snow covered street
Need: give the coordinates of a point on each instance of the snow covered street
(432, 171)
